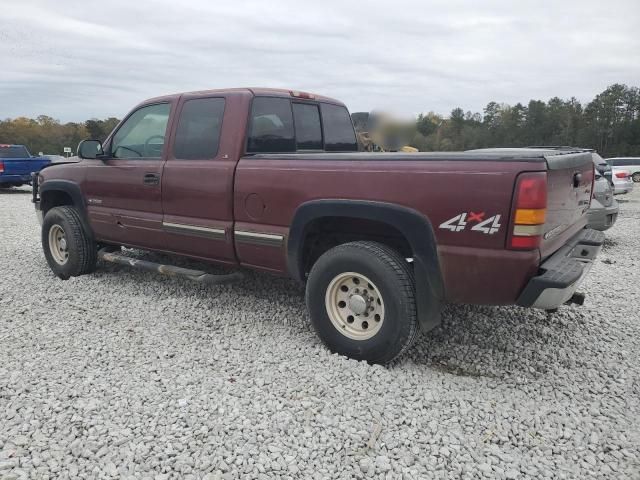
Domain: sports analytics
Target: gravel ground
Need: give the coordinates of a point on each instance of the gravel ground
(125, 374)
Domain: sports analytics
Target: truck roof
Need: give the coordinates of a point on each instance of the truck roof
(253, 91)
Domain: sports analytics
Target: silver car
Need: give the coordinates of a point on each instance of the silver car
(604, 209)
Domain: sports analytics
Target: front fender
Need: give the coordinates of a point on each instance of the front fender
(47, 190)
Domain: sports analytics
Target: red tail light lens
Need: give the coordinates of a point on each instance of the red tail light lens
(1, 167)
(530, 208)
(622, 174)
(532, 190)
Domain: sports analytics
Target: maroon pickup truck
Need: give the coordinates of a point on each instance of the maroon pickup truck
(272, 180)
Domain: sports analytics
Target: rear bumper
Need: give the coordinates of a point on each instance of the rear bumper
(602, 218)
(624, 186)
(561, 274)
(15, 179)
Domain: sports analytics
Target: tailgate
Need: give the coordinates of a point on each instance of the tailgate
(569, 187)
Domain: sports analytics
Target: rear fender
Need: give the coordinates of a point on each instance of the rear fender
(415, 227)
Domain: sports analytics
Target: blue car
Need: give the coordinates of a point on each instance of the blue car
(17, 164)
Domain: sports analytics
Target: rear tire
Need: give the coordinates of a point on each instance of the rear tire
(69, 251)
(636, 177)
(361, 300)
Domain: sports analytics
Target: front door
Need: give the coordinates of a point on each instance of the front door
(197, 182)
(123, 191)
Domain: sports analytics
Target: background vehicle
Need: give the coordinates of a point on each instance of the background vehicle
(622, 181)
(55, 158)
(271, 180)
(17, 164)
(603, 211)
(629, 164)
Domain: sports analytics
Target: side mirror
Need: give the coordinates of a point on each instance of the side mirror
(90, 149)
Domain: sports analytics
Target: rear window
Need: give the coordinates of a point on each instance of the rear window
(14, 151)
(339, 135)
(198, 132)
(271, 126)
(308, 127)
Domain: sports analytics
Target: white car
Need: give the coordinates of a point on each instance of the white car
(622, 182)
(630, 164)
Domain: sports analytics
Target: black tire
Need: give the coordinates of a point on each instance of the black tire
(81, 249)
(636, 177)
(391, 274)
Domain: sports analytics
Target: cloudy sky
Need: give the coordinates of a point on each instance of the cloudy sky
(76, 59)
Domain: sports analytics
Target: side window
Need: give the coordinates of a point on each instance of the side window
(339, 135)
(198, 132)
(142, 134)
(308, 128)
(271, 126)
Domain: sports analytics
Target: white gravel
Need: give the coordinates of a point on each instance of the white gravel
(125, 374)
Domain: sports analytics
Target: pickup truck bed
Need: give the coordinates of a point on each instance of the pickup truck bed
(271, 180)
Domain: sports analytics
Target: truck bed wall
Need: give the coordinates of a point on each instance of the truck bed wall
(475, 265)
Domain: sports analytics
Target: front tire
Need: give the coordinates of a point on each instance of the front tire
(361, 300)
(69, 251)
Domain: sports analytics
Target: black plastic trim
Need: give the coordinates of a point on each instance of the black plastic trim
(73, 190)
(413, 225)
(563, 268)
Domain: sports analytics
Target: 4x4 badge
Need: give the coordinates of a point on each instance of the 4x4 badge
(459, 223)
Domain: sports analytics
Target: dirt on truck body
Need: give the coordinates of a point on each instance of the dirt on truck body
(272, 180)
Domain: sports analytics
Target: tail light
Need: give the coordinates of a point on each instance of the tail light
(1, 167)
(529, 212)
(622, 174)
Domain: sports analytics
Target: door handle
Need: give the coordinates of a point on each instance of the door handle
(151, 179)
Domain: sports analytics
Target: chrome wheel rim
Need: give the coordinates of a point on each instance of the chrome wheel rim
(58, 244)
(355, 306)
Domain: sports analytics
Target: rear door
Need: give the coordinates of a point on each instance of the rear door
(569, 187)
(123, 192)
(197, 181)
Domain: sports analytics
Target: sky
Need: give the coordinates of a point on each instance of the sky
(80, 59)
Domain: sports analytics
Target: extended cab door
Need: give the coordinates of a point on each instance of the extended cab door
(123, 191)
(197, 182)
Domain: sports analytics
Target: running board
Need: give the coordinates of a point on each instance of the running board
(170, 270)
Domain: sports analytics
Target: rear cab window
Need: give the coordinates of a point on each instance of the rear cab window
(14, 151)
(338, 129)
(271, 128)
(282, 125)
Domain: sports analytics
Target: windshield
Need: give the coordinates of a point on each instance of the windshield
(14, 151)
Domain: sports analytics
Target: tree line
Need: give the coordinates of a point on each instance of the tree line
(49, 136)
(610, 123)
